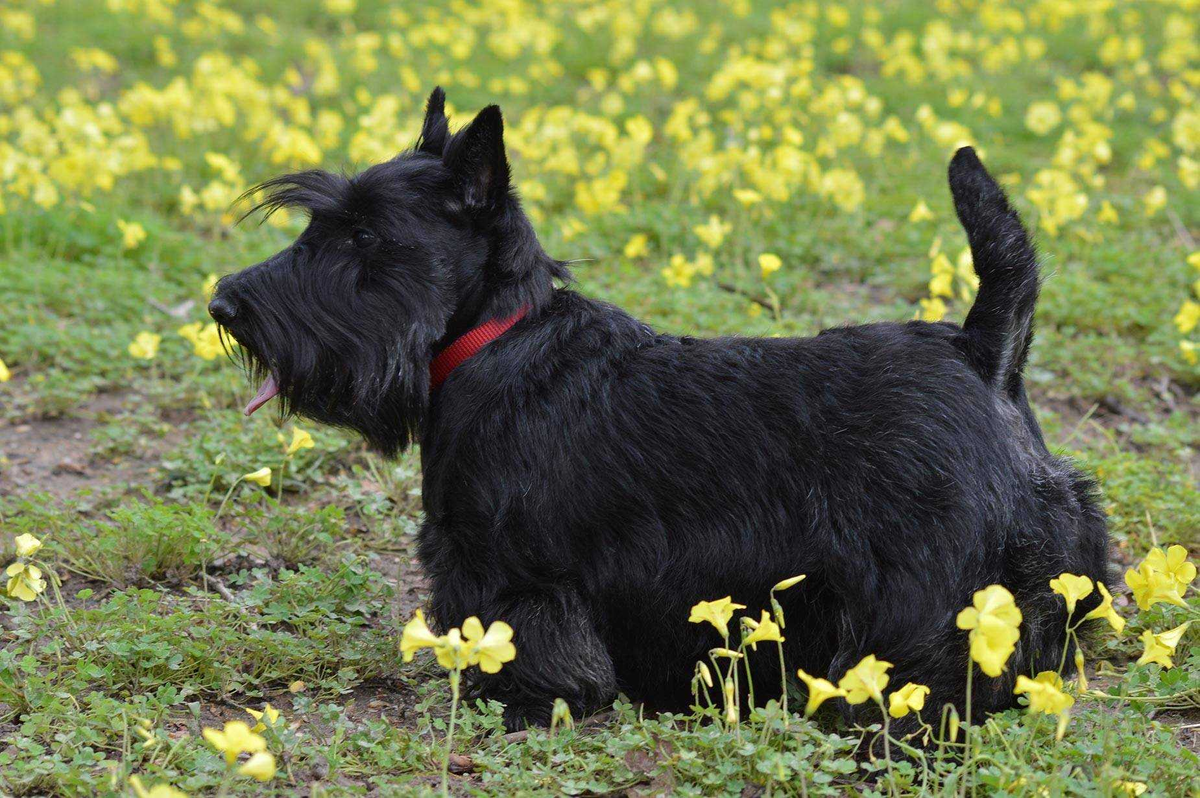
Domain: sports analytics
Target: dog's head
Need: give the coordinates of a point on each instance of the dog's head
(394, 263)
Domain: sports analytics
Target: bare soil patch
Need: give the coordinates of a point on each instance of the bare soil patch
(54, 455)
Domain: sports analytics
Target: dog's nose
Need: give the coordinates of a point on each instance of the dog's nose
(222, 309)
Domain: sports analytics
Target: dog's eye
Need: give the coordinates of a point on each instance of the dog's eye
(364, 239)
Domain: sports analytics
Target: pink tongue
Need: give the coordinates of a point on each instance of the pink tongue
(265, 394)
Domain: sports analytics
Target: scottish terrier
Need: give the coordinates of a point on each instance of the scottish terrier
(588, 479)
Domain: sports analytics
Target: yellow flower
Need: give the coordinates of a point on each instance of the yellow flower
(301, 439)
(791, 581)
(636, 246)
(993, 621)
(704, 674)
(865, 680)
(1150, 586)
(844, 188)
(5, 374)
(1045, 693)
(132, 234)
(769, 264)
(1174, 563)
(1081, 669)
(713, 231)
(262, 476)
(205, 338)
(260, 766)
(1072, 588)
(489, 649)
(747, 196)
(932, 309)
(1134, 788)
(235, 740)
(942, 283)
(27, 545)
(162, 790)
(1042, 117)
(269, 712)
(680, 272)
(191, 331)
(209, 286)
(732, 712)
(416, 636)
(717, 612)
(1188, 316)
(1159, 647)
(819, 691)
(1056, 195)
(910, 697)
(145, 345)
(1107, 213)
(1186, 348)
(560, 715)
(728, 653)
(1154, 200)
(25, 581)
(764, 630)
(920, 212)
(452, 652)
(1106, 611)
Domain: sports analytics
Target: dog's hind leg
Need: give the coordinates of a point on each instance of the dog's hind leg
(559, 655)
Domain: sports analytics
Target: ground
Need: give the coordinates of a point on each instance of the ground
(664, 148)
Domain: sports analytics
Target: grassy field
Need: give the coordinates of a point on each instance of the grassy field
(729, 166)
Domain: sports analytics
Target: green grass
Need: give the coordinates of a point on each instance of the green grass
(189, 595)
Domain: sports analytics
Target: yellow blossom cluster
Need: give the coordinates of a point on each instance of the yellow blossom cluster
(1188, 317)
(238, 737)
(1161, 577)
(949, 280)
(733, 130)
(462, 648)
(25, 579)
(206, 338)
(993, 622)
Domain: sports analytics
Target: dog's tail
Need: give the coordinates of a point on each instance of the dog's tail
(999, 327)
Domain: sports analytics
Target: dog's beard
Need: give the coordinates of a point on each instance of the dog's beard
(379, 389)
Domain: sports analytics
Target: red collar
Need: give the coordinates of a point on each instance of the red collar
(467, 345)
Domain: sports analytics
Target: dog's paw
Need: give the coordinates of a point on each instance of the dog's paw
(518, 718)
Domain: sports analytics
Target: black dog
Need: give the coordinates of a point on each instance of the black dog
(587, 479)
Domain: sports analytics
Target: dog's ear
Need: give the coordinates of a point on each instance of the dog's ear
(436, 127)
(475, 157)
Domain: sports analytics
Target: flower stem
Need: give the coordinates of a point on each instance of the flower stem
(968, 761)
(282, 473)
(221, 506)
(54, 584)
(783, 697)
(1062, 662)
(887, 747)
(454, 682)
(749, 680)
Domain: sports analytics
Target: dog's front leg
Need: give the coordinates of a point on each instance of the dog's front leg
(559, 652)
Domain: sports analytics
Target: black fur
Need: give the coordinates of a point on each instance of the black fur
(587, 479)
